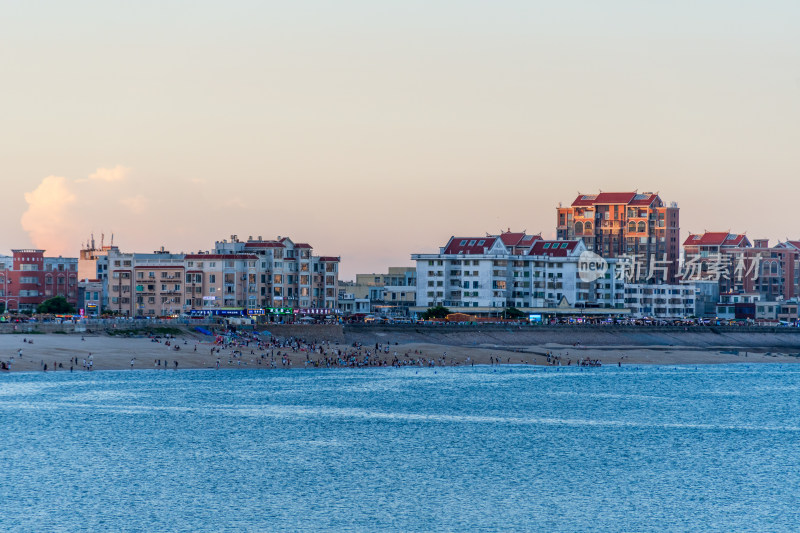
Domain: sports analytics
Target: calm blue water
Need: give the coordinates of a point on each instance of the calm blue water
(654, 448)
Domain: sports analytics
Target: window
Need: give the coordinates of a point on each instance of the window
(463, 243)
(212, 278)
(480, 243)
(546, 245)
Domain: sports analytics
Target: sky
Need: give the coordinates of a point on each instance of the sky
(376, 129)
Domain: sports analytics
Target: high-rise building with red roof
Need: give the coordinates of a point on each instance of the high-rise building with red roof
(641, 227)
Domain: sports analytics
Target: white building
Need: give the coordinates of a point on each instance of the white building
(483, 275)
(660, 301)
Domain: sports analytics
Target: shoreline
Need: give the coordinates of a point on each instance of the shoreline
(197, 352)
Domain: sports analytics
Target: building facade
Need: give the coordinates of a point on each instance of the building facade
(90, 297)
(390, 294)
(481, 275)
(660, 301)
(640, 228)
(255, 276)
(28, 278)
(292, 274)
(735, 265)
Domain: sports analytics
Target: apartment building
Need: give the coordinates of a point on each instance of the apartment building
(255, 277)
(481, 275)
(28, 278)
(390, 294)
(90, 296)
(640, 228)
(141, 284)
(660, 301)
(292, 275)
(735, 265)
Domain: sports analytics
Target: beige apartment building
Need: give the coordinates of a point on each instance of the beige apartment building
(239, 277)
(391, 294)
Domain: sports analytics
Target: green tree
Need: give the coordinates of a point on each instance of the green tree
(513, 313)
(55, 306)
(435, 312)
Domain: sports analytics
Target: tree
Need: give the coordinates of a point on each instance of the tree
(435, 312)
(55, 306)
(513, 312)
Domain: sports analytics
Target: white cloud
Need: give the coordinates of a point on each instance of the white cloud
(136, 204)
(118, 173)
(48, 216)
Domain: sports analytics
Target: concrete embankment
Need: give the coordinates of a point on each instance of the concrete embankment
(607, 336)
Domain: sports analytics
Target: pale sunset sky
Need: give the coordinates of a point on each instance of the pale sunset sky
(375, 129)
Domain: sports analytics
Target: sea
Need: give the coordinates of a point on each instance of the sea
(484, 448)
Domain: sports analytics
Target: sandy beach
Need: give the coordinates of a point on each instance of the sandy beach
(60, 352)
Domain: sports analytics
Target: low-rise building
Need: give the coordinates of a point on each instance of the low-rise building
(737, 306)
(90, 297)
(660, 301)
(28, 278)
(390, 294)
(255, 277)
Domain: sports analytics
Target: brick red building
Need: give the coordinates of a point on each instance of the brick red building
(28, 278)
(772, 272)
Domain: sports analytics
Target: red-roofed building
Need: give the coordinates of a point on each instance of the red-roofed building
(554, 248)
(625, 224)
(484, 275)
(733, 265)
(469, 245)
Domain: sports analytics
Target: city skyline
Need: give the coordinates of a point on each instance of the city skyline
(173, 125)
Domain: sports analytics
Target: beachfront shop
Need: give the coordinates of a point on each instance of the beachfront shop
(271, 313)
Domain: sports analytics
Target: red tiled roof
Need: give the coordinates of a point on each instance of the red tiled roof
(455, 247)
(329, 259)
(643, 199)
(302, 245)
(795, 244)
(511, 239)
(553, 248)
(716, 238)
(604, 198)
